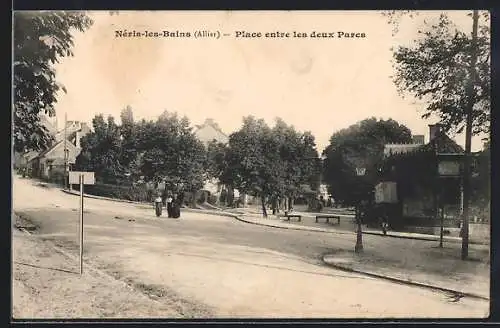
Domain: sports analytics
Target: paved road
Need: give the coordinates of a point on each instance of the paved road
(235, 268)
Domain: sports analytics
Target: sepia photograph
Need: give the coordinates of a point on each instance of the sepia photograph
(250, 164)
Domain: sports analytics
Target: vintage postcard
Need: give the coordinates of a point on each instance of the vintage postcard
(251, 164)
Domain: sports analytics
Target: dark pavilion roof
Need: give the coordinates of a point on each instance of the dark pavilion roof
(441, 144)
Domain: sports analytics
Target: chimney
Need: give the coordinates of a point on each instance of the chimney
(418, 139)
(78, 137)
(433, 130)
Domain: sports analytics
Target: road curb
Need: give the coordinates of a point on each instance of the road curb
(194, 210)
(364, 233)
(418, 238)
(76, 193)
(291, 228)
(403, 281)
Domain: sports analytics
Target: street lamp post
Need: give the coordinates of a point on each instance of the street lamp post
(360, 171)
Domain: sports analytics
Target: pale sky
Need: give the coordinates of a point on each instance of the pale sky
(317, 85)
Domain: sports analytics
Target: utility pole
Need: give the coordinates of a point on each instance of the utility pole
(468, 137)
(66, 182)
(358, 248)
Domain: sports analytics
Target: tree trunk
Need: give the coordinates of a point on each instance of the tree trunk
(193, 199)
(468, 138)
(263, 201)
(290, 203)
(230, 196)
(275, 205)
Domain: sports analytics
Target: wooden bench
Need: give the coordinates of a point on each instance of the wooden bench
(289, 216)
(328, 217)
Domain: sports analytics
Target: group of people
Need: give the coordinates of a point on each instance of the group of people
(173, 206)
(172, 201)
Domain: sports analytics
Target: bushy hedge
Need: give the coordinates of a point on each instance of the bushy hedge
(132, 193)
(140, 193)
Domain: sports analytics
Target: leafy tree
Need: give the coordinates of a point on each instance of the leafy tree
(128, 135)
(299, 161)
(248, 159)
(437, 69)
(270, 163)
(219, 167)
(40, 40)
(359, 145)
(101, 150)
(169, 151)
(450, 70)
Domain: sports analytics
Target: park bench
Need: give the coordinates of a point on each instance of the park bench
(328, 217)
(289, 216)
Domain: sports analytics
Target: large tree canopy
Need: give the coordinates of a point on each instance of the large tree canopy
(101, 151)
(436, 69)
(219, 163)
(450, 70)
(270, 162)
(161, 150)
(40, 39)
(168, 150)
(360, 145)
(128, 134)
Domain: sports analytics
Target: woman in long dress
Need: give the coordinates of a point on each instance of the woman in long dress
(170, 206)
(176, 207)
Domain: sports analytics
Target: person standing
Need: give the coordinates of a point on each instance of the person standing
(176, 207)
(385, 222)
(169, 201)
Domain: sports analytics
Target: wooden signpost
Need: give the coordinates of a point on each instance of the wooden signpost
(81, 178)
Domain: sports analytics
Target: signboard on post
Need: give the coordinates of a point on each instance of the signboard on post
(88, 177)
(81, 178)
(449, 168)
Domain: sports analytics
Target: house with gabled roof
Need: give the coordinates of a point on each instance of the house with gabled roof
(51, 163)
(210, 131)
(426, 178)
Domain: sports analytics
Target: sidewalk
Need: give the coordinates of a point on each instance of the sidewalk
(419, 264)
(430, 267)
(347, 226)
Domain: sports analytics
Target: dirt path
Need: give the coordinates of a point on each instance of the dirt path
(46, 285)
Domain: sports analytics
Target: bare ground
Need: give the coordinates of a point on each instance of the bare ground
(46, 284)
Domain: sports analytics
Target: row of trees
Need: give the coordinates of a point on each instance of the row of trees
(154, 151)
(446, 67)
(276, 164)
(272, 163)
